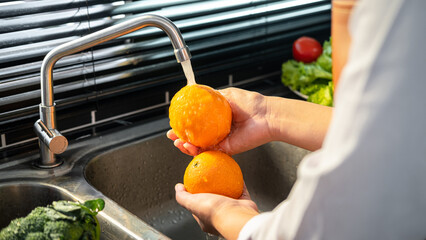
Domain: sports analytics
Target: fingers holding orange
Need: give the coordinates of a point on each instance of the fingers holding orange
(245, 195)
(193, 150)
(171, 135)
(183, 146)
(187, 148)
(180, 145)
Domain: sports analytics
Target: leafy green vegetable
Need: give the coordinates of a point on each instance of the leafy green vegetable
(312, 79)
(95, 205)
(324, 60)
(63, 220)
(323, 96)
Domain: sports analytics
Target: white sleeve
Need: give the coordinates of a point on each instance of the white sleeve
(251, 225)
(368, 180)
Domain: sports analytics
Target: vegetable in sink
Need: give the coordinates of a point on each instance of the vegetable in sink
(63, 220)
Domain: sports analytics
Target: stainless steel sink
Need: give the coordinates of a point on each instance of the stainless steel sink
(18, 199)
(140, 176)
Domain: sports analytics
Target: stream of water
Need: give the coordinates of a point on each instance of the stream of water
(189, 74)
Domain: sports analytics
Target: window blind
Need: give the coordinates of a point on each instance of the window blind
(230, 41)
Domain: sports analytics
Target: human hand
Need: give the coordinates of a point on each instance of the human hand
(249, 124)
(218, 214)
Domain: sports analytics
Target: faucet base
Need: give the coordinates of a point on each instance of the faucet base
(47, 158)
(38, 164)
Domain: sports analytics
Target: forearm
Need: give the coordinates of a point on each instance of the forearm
(299, 123)
(230, 221)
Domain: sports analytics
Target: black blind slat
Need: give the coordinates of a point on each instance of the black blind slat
(223, 17)
(148, 5)
(55, 18)
(32, 50)
(26, 8)
(201, 8)
(36, 35)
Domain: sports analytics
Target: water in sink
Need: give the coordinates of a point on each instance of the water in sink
(141, 177)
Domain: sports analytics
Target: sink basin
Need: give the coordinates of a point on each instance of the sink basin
(141, 176)
(19, 199)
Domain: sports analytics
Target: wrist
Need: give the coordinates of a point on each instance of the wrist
(229, 219)
(296, 122)
(275, 110)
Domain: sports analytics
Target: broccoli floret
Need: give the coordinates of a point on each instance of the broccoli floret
(11, 232)
(36, 236)
(63, 220)
(63, 230)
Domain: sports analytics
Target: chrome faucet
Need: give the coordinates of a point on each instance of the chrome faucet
(50, 139)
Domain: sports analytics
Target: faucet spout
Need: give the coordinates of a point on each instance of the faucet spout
(47, 106)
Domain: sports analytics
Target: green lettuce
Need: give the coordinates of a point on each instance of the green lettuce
(323, 96)
(312, 79)
(324, 60)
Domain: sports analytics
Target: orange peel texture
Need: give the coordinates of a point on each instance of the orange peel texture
(214, 172)
(200, 115)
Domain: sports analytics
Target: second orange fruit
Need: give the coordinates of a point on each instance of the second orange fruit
(214, 172)
(200, 115)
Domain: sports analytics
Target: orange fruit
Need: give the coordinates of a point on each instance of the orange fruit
(200, 115)
(214, 172)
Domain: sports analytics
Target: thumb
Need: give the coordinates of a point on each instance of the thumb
(232, 144)
(183, 197)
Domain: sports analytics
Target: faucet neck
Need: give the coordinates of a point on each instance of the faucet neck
(149, 20)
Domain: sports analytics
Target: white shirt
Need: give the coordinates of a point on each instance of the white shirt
(369, 179)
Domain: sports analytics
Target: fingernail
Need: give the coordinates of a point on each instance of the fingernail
(179, 187)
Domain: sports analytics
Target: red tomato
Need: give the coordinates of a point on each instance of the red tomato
(306, 49)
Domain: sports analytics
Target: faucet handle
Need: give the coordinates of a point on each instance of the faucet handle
(51, 137)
